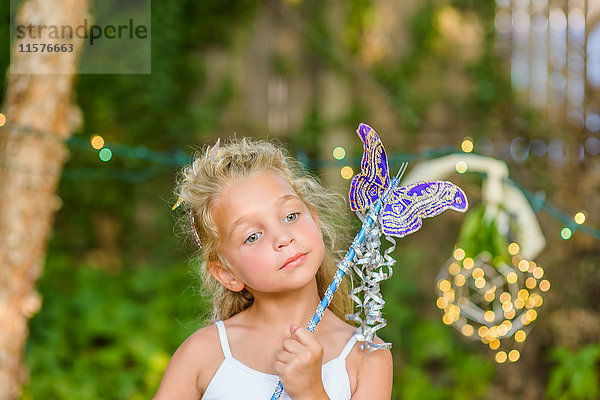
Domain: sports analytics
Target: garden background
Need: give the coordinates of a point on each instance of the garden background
(119, 289)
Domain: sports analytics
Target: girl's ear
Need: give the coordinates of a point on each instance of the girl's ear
(225, 277)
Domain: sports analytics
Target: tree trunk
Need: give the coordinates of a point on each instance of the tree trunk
(40, 116)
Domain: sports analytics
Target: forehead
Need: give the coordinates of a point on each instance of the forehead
(252, 195)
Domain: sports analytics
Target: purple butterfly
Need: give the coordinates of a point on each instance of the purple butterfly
(405, 206)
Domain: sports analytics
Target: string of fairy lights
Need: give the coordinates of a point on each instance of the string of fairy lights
(571, 223)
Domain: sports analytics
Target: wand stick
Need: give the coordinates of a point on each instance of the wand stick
(344, 265)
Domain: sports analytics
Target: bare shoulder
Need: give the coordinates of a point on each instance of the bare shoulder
(334, 334)
(192, 366)
(372, 370)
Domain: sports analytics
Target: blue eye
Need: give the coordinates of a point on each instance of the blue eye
(292, 217)
(253, 238)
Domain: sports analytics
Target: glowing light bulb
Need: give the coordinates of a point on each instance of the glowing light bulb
(478, 273)
(483, 331)
(347, 172)
(468, 263)
(531, 315)
(339, 153)
(459, 254)
(502, 330)
(523, 265)
(454, 268)
(513, 249)
(444, 285)
(449, 295)
(579, 218)
(105, 154)
(519, 303)
(467, 330)
(500, 357)
(97, 142)
(448, 319)
(514, 355)
(442, 303)
(467, 145)
(505, 297)
(459, 280)
(523, 294)
(461, 167)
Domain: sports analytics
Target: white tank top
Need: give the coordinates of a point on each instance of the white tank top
(235, 380)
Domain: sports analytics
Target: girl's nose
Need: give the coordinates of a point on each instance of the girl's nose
(283, 239)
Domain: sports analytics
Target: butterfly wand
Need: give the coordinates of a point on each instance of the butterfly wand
(394, 211)
(344, 265)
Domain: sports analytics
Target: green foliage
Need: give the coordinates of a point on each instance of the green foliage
(480, 234)
(575, 374)
(108, 336)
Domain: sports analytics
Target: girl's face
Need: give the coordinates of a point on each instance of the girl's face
(268, 236)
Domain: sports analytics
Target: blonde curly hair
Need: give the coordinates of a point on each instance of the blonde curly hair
(202, 182)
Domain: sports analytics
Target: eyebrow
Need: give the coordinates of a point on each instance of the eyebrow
(243, 219)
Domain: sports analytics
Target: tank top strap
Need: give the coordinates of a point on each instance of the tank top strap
(223, 339)
(348, 348)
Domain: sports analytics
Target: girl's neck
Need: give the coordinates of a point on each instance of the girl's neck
(280, 310)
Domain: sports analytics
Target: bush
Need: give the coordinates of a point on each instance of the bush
(108, 336)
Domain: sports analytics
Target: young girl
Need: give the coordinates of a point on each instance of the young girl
(265, 230)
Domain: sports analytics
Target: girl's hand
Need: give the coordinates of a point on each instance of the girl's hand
(298, 365)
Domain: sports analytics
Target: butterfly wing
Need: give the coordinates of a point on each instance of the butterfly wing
(408, 205)
(373, 179)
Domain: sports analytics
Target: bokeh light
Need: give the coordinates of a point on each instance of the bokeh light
(339, 153)
(347, 172)
(467, 145)
(579, 218)
(459, 254)
(105, 154)
(566, 233)
(461, 167)
(2, 119)
(97, 142)
(501, 357)
(513, 248)
(514, 355)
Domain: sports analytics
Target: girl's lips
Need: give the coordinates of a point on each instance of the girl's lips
(294, 261)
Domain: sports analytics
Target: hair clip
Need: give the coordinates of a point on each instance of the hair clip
(194, 231)
(215, 150)
(179, 201)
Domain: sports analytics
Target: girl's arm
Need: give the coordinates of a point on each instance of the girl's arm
(374, 376)
(192, 360)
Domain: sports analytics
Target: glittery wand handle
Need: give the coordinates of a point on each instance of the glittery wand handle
(343, 266)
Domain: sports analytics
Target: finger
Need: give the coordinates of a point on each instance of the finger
(292, 345)
(305, 337)
(283, 356)
(278, 367)
(293, 328)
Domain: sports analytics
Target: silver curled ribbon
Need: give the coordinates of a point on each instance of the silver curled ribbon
(371, 268)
